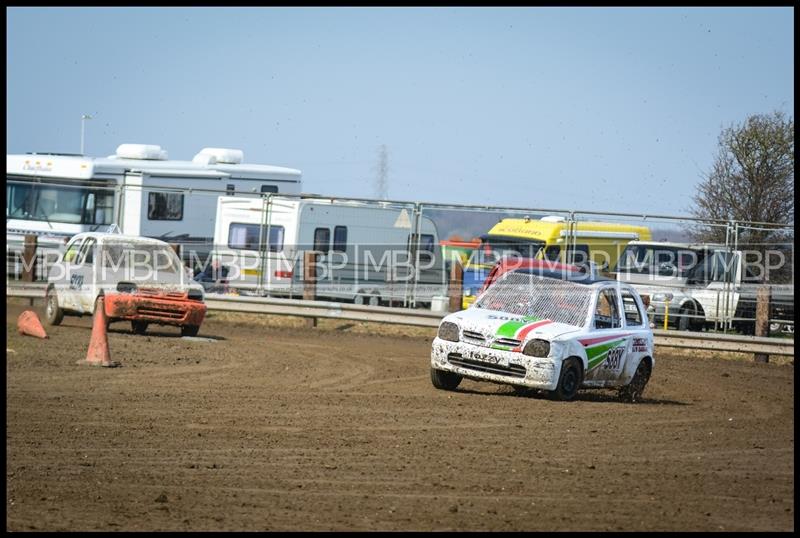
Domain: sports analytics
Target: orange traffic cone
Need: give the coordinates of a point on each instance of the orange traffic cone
(98, 345)
(28, 323)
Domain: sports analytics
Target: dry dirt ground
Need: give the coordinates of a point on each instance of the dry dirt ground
(273, 426)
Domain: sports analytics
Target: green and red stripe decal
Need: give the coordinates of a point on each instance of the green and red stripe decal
(518, 330)
(597, 348)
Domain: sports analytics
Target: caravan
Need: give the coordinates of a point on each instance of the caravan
(138, 189)
(368, 252)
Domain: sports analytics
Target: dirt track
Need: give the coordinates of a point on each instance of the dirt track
(293, 429)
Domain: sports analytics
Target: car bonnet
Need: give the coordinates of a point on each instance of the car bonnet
(497, 324)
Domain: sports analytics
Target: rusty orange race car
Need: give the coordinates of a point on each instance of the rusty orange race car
(141, 279)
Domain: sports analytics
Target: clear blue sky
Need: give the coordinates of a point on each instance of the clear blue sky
(584, 108)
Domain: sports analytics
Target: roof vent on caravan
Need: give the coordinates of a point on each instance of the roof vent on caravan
(147, 152)
(204, 158)
(553, 218)
(222, 155)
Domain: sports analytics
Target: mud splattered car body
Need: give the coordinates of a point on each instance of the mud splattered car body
(141, 279)
(536, 332)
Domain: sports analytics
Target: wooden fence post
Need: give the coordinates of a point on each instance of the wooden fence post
(762, 319)
(29, 258)
(455, 290)
(310, 281)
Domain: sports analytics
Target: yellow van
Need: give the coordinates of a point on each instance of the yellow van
(549, 238)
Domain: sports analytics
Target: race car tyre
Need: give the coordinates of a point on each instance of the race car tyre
(444, 380)
(569, 381)
(53, 314)
(139, 327)
(190, 330)
(632, 392)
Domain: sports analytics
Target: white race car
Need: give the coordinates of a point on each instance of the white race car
(557, 335)
(142, 281)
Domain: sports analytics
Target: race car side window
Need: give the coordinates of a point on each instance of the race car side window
(87, 252)
(606, 315)
(633, 315)
(71, 254)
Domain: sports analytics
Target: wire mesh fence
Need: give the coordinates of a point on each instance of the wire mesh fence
(696, 273)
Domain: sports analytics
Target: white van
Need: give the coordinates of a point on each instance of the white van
(369, 252)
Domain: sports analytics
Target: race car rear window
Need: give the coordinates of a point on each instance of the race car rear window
(633, 316)
(526, 294)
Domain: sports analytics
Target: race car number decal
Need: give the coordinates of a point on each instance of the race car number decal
(613, 358)
(76, 282)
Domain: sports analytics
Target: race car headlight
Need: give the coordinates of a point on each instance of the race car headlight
(448, 331)
(126, 287)
(195, 295)
(662, 297)
(537, 348)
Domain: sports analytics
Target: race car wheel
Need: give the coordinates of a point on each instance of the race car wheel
(569, 381)
(139, 327)
(632, 392)
(190, 330)
(444, 380)
(52, 312)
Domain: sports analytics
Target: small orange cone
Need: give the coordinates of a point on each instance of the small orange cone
(28, 323)
(98, 345)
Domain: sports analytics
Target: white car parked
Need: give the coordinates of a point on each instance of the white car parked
(536, 332)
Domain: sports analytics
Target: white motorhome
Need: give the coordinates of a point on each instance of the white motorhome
(138, 189)
(369, 252)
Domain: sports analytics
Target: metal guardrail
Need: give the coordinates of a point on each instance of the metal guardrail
(724, 342)
(428, 318)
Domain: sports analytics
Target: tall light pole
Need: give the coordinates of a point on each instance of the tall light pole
(84, 117)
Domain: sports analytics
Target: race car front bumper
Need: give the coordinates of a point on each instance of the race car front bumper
(498, 366)
(166, 311)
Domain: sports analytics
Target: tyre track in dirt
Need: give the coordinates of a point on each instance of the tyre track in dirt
(294, 429)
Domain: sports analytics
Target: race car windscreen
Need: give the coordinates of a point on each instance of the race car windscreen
(526, 294)
(139, 262)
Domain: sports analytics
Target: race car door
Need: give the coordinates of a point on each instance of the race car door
(66, 285)
(607, 345)
(640, 339)
(82, 281)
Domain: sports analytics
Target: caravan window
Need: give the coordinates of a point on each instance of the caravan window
(340, 239)
(245, 236)
(426, 246)
(99, 207)
(269, 188)
(165, 206)
(322, 240)
(58, 203)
